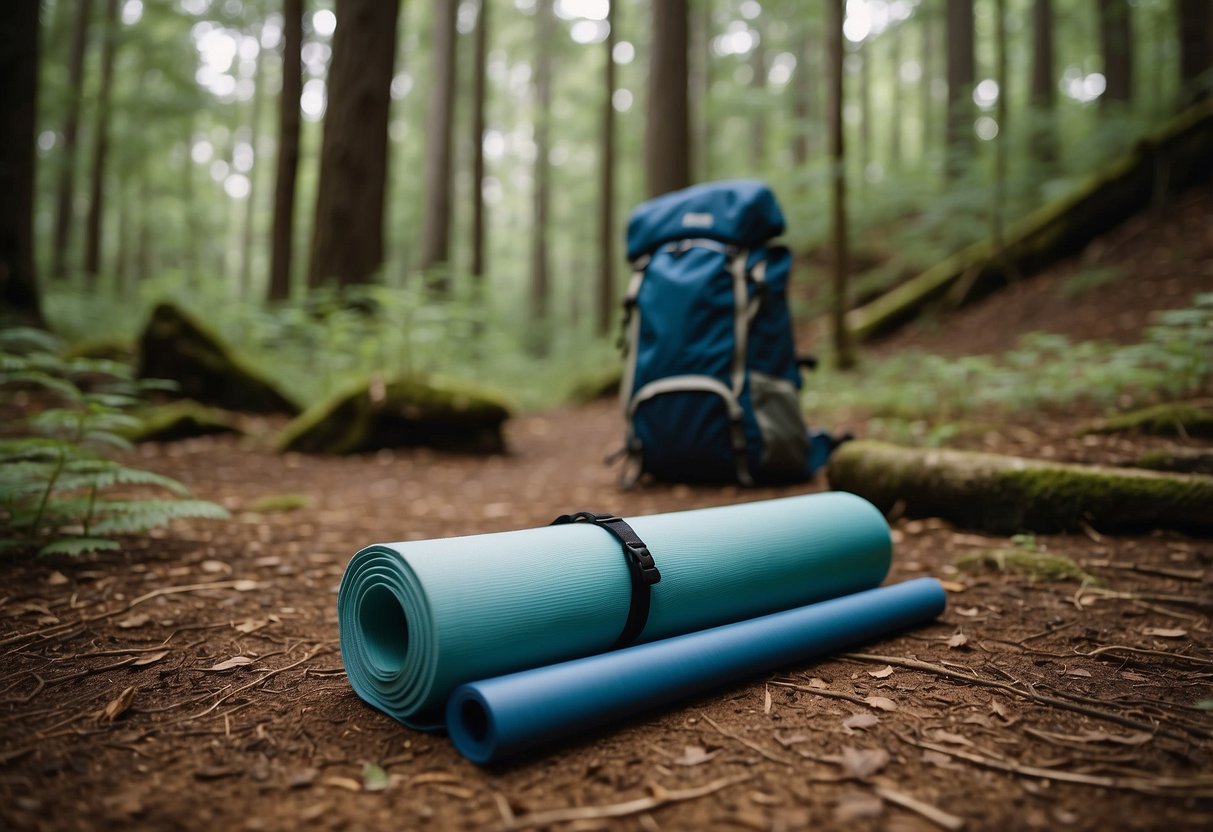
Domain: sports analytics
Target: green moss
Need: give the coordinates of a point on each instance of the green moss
(1185, 461)
(402, 412)
(176, 346)
(1168, 419)
(1039, 566)
(272, 503)
(122, 352)
(597, 385)
(181, 420)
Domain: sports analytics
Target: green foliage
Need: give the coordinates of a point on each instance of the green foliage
(59, 493)
(1087, 280)
(912, 396)
(1032, 563)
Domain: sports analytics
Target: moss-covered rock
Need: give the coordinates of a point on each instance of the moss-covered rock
(1006, 494)
(176, 346)
(182, 419)
(1182, 419)
(403, 412)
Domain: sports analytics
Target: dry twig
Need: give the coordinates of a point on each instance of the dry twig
(775, 758)
(934, 814)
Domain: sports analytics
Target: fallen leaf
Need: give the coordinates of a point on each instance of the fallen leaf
(150, 658)
(935, 758)
(998, 708)
(56, 578)
(953, 586)
(884, 672)
(967, 612)
(1133, 677)
(881, 702)
(233, 662)
(857, 805)
(818, 683)
(245, 585)
(374, 778)
(766, 700)
(342, 783)
(793, 739)
(957, 641)
(950, 738)
(1078, 671)
(862, 763)
(1162, 632)
(251, 625)
(117, 706)
(693, 755)
(133, 621)
(302, 778)
(864, 720)
(213, 567)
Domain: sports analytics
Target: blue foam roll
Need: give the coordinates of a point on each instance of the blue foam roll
(418, 619)
(497, 718)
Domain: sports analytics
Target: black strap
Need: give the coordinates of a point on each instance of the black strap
(640, 566)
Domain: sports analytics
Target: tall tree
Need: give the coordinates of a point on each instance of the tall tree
(1116, 46)
(19, 38)
(804, 84)
(667, 127)
(283, 234)
(347, 236)
(864, 53)
(699, 67)
(65, 191)
(606, 186)
(545, 31)
(96, 201)
(1000, 147)
(834, 98)
(895, 118)
(758, 88)
(250, 202)
(1044, 85)
(1195, 18)
(479, 76)
(960, 70)
(926, 82)
(436, 225)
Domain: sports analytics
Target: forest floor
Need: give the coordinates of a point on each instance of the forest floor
(194, 681)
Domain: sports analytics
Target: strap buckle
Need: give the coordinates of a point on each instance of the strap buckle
(642, 560)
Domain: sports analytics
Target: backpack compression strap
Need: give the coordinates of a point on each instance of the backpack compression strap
(640, 566)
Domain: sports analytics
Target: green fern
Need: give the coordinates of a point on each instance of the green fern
(59, 495)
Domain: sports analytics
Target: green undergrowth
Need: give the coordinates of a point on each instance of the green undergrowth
(928, 399)
(60, 490)
(1025, 558)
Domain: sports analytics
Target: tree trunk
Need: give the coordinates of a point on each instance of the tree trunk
(667, 128)
(1195, 18)
(479, 73)
(758, 88)
(834, 93)
(606, 188)
(19, 37)
(1044, 85)
(998, 209)
(545, 32)
(436, 222)
(803, 99)
(1007, 494)
(96, 204)
(65, 192)
(927, 79)
(960, 87)
(283, 234)
(250, 204)
(895, 117)
(347, 236)
(864, 54)
(1116, 44)
(699, 66)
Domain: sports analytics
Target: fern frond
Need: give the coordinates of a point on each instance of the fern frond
(30, 448)
(115, 474)
(104, 437)
(116, 400)
(97, 366)
(64, 388)
(73, 546)
(139, 516)
(22, 339)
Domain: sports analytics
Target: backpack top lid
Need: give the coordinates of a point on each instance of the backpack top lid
(741, 212)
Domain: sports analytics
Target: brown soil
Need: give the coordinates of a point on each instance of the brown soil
(1037, 704)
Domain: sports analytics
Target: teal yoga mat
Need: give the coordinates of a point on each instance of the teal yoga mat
(499, 718)
(418, 619)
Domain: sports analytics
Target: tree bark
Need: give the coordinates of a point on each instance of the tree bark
(699, 67)
(1044, 85)
(436, 223)
(479, 73)
(998, 212)
(895, 118)
(545, 30)
(347, 236)
(606, 187)
(667, 128)
(250, 204)
(96, 206)
(283, 233)
(1116, 45)
(834, 97)
(803, 99)
(758, 88)
(864, 53)
(1195, 19)
(1007, 494)
(927, 79)
(65, 191)
(19, 42)
(960, 87)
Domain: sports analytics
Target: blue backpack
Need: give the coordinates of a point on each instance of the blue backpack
(711, 386)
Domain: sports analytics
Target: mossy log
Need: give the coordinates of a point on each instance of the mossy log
(183, 419)
(1167, 160)
(178, 347)
(404, 412)
(1178, 460)
(1182, 419)
(1007, 494)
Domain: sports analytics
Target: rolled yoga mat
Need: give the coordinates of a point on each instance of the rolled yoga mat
(498, 718)
(418, 619)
